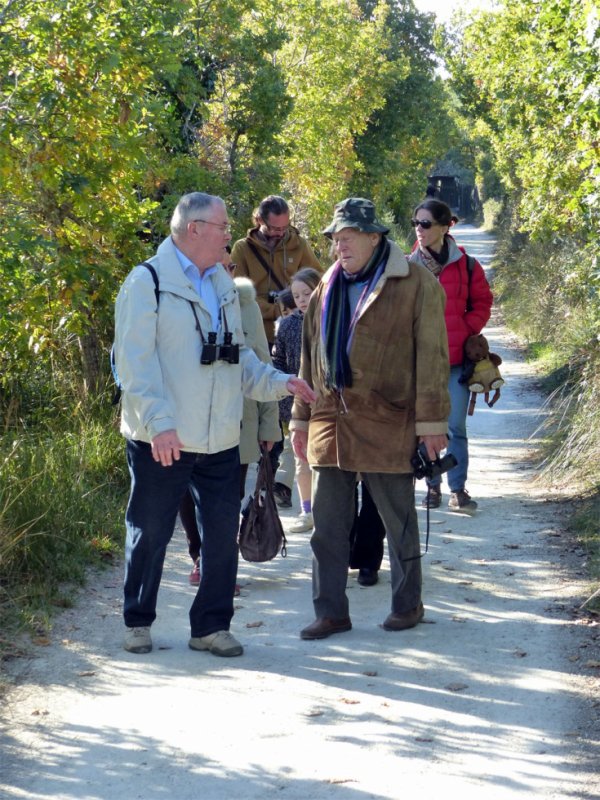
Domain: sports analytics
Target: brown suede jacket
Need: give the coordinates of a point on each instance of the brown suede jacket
(290, 255)
(399, 362)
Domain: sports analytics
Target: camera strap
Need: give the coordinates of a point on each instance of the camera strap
(265, 266)
(198, 326)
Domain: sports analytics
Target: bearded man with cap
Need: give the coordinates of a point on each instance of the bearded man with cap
(375, 352)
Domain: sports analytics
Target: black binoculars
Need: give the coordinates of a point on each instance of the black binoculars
(228, 352)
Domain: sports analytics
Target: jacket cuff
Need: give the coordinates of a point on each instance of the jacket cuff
(431, 428)
(299, 425)
(160, 426)
(282, 389)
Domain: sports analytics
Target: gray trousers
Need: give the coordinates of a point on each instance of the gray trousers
(333, 513)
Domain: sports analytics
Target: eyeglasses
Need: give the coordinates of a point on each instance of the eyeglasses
(225, 226)
(424, 223)
(276, 229)
(231, 268)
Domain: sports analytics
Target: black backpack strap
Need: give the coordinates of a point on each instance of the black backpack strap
(152, 272)
(113, 366)
(264, 265)
(470, 268)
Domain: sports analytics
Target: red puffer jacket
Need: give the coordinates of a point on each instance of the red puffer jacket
(454, 277)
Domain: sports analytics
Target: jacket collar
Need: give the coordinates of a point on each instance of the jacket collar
(173, 279)
(396, 267)
(454, 253)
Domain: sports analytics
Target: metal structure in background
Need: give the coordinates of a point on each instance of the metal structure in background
(462, 198)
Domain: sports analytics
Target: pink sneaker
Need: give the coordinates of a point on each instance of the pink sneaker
(195, 573)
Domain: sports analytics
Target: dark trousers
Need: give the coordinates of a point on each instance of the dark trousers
(333, 511)
(189, 520)
(367, 534)
(156, 494)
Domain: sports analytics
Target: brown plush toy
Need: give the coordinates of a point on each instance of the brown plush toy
(480, 371)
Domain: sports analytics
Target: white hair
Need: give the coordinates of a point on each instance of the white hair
(192, 206)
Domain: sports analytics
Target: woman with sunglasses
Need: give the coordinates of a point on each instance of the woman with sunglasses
(468, 307)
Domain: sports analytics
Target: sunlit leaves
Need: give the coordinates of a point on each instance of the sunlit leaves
(531, 69)
(112, 109)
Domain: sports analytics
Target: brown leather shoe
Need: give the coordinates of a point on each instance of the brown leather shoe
(400, 622)
(323, 627)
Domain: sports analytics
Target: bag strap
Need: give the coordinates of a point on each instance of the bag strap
(264, 475)
(470, 268)
(265, 266)
(118, 391)
(152, 272)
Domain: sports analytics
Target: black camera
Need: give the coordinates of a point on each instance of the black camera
(209, 349)
(425, 468)
(272, 297)
(228, 351)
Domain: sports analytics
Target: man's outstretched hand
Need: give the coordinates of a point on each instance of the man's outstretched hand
(301, 389)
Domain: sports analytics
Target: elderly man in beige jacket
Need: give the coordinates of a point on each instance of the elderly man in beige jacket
(184, 369)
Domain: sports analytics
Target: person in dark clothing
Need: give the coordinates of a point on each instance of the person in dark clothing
(366, 538)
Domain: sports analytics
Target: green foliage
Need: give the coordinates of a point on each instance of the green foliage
(586, 526)
(112, 110)
(335, 71)
(415, 126)
(71, 147)
(62, 495)
(549, 294)
(492, 211)
(529, 72)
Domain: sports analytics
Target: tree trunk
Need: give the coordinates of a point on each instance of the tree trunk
(89, 348)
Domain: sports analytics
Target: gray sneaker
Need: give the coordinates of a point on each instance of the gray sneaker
(461, 501)
(138, 640)
(221, 643)
(302, 523)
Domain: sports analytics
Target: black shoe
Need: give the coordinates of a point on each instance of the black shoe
(367, 577)
(283, 495)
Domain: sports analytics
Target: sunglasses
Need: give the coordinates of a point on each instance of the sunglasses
(424, 223)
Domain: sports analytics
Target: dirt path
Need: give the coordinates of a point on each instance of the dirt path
(493, 698)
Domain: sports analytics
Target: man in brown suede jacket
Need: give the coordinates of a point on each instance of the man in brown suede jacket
(375, 352)
(270, 255)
